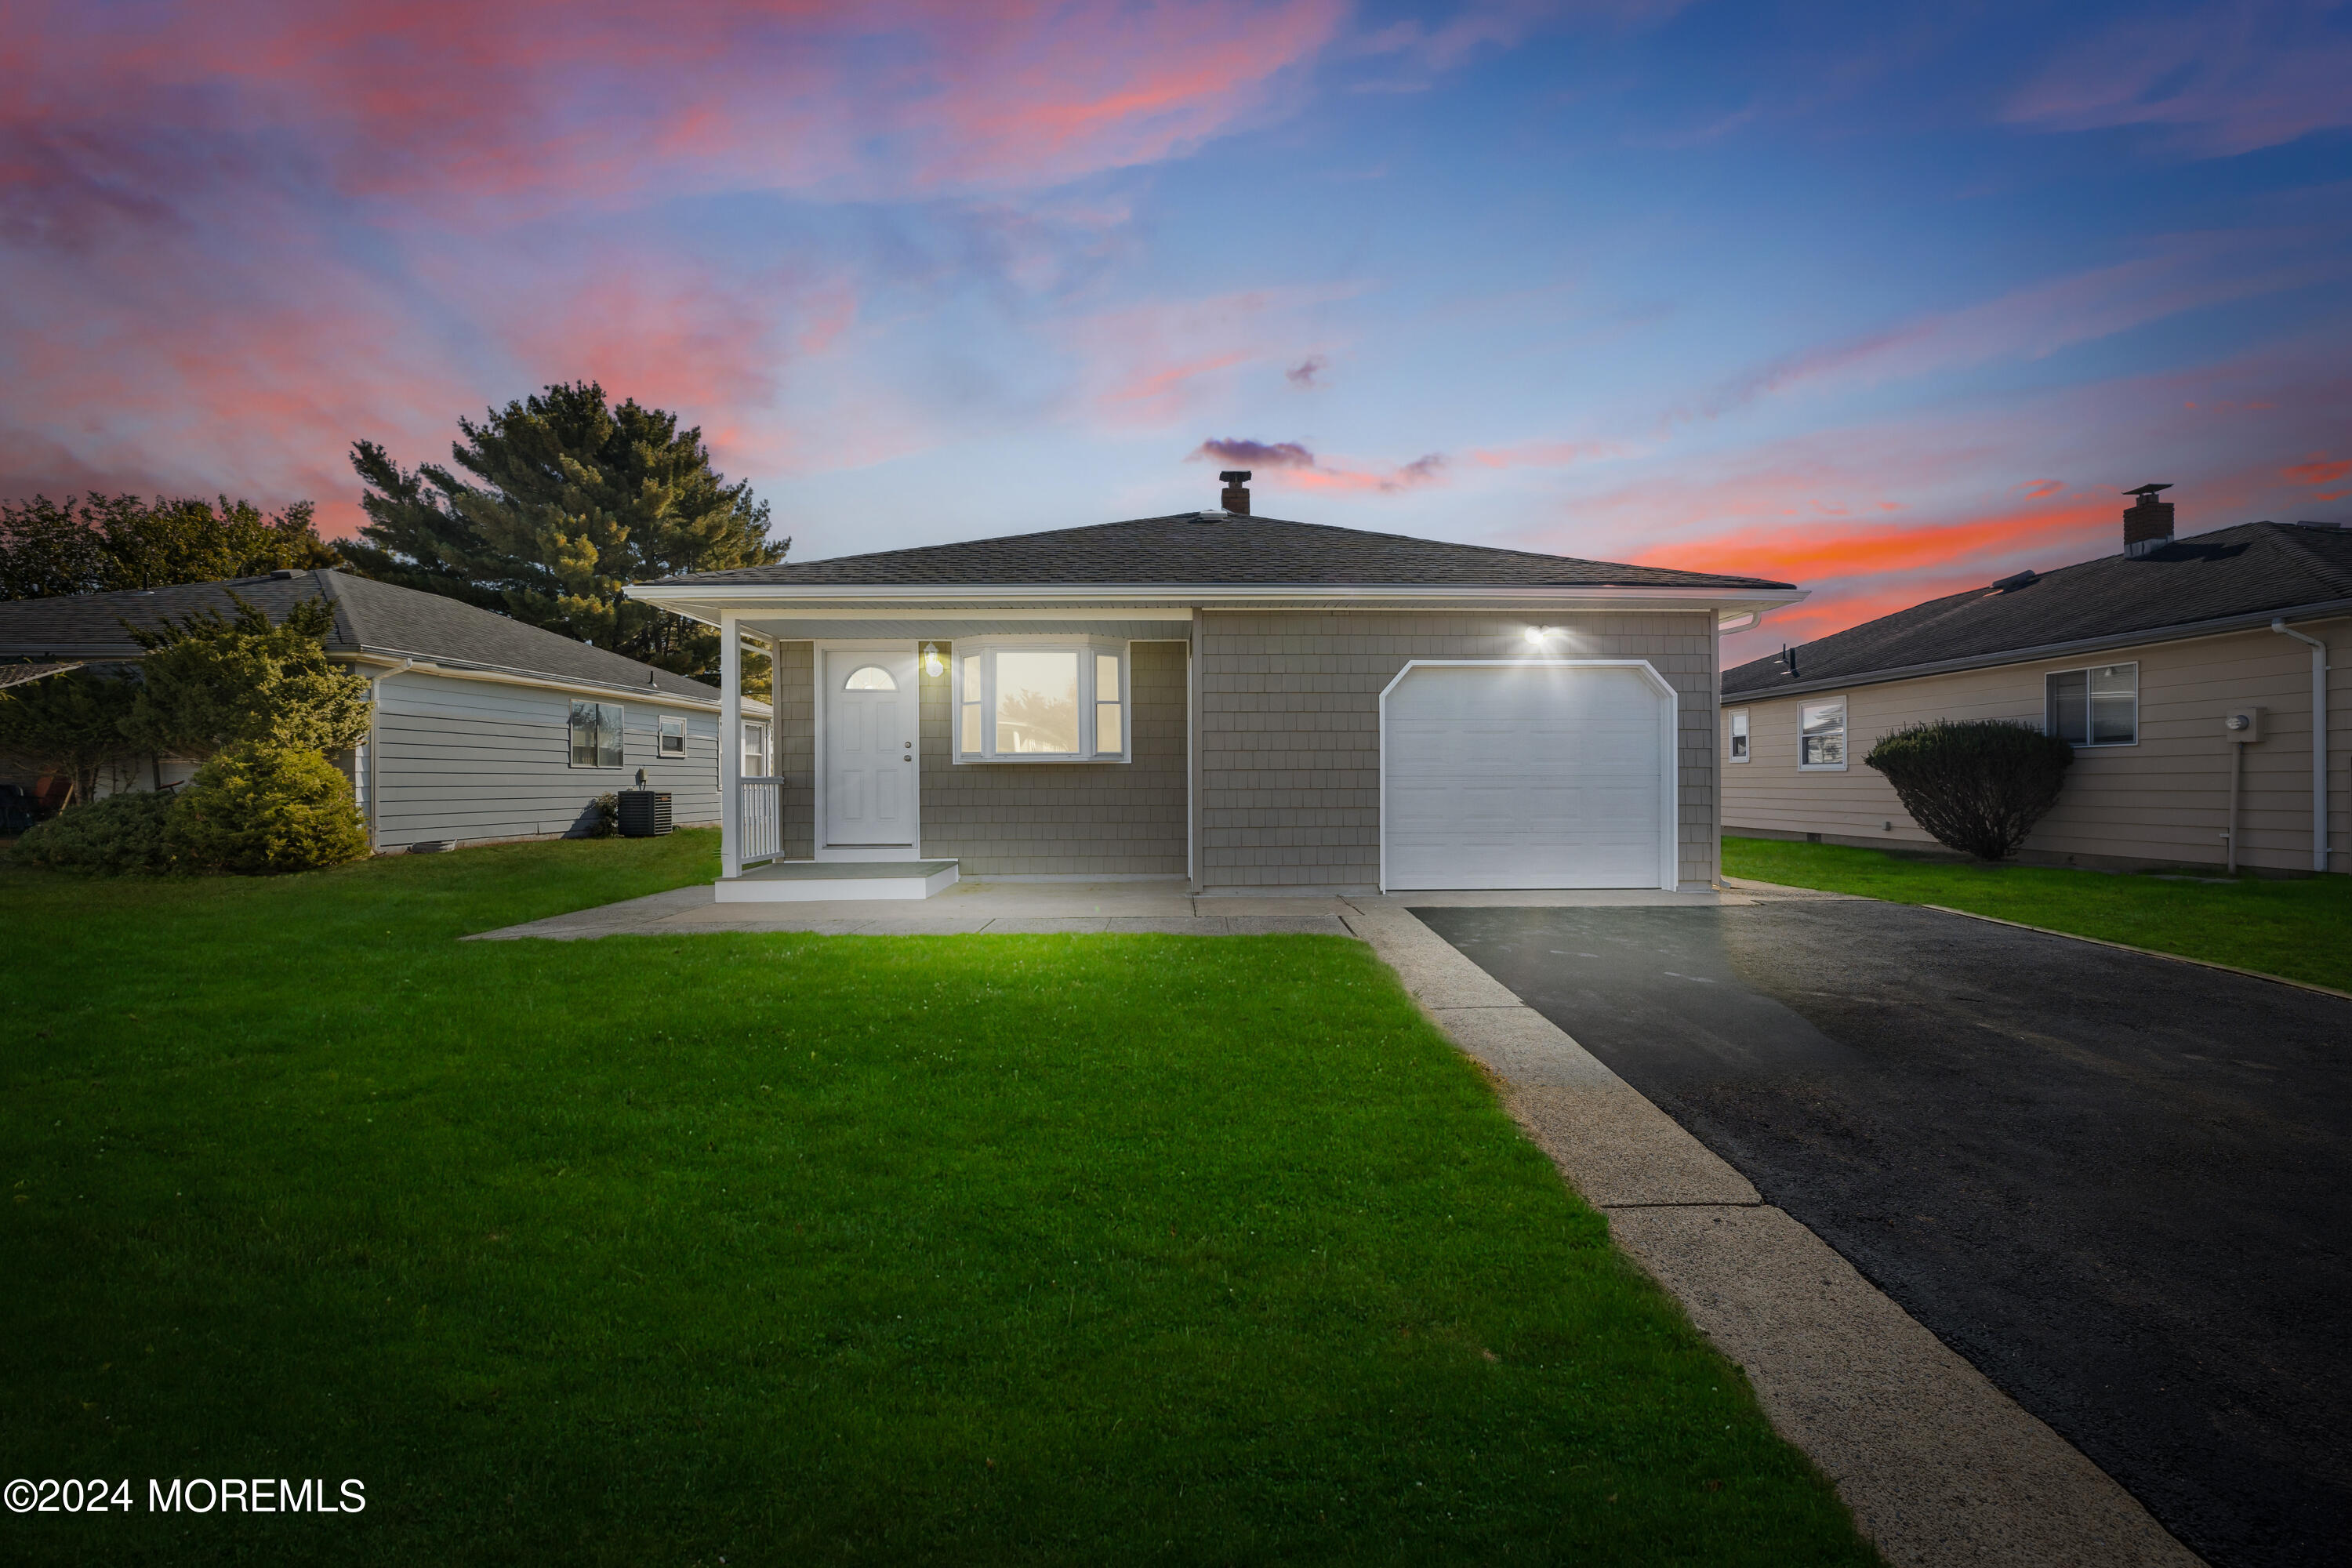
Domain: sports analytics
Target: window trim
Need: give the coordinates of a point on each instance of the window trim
(620, 730)
(1737, 730)
(1087, 647)
(2050, 728)
(662, 732)
(1845, 733)
(767, 741)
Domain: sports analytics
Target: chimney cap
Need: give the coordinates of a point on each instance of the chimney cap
(2147, 492)
(1235, 476)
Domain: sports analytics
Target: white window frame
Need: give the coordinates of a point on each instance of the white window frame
(1739, 744)
(621, 731)
(985, 649)
(743, 747)
(1845, 735)
(665, 726)
(2049, 715)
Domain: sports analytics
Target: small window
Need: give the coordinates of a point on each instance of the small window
(2096, 707)
(1821, 734)
(869, 677)
(755, 751)
(1020, 701)
(673, 737)
(595, 734)
(1739, 734)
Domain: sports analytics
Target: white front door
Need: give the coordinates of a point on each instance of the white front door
(1528, 775)
(869, 748)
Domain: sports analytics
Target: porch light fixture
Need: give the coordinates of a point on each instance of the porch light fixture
(1536, 634)
(931, 665)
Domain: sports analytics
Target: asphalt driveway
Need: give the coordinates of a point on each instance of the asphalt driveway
(2121, 1186)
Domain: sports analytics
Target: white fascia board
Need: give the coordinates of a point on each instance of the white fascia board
(707, 603)
(653, 695)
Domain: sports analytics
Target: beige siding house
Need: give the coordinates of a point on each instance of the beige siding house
(485, 729)
(1241, 703)
(2140, 659)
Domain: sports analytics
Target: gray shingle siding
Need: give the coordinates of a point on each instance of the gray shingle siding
(1043, 819)
(1290, 729)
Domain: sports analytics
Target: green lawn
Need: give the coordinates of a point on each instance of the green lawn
(789, 1250)
(2296, 928)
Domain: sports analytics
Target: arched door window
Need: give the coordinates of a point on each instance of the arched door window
(869, 677)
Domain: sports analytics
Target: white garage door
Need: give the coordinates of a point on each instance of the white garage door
(1556, 776)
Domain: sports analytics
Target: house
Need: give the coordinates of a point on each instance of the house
(1247, 704)
(485, 729)
(2140, 659)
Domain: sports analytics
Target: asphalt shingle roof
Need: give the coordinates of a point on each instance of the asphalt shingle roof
(2247, 570)
(1192, 549)
(371, 617)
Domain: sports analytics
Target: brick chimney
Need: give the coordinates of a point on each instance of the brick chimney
(2147, 522)
(1237, 497)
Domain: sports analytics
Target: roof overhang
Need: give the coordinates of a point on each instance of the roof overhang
(709, 602)
(2187, 631)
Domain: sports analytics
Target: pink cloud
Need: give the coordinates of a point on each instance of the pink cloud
(2223, 80)
(2319, 470)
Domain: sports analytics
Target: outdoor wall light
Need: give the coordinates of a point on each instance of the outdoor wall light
(1538, 634)
(931, 665)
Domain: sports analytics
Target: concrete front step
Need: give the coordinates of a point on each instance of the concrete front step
(815, 881)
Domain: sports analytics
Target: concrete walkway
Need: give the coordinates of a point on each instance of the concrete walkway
(1040, 908)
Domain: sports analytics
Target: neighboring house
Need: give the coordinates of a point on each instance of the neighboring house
(2139, 660)
(485, 729)
(1251, 704)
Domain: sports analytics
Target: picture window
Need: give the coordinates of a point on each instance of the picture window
(1020, 701)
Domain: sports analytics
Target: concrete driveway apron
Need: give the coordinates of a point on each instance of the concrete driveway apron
(2119, 1185)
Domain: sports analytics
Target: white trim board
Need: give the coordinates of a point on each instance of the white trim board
(1670, 824)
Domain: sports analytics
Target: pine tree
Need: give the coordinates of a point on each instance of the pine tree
(555, 504)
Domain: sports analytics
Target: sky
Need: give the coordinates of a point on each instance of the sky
(1885, 300)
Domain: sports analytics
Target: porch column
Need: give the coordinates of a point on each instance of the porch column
(731, 746)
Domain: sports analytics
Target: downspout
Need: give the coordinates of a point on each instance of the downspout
(2318, 742)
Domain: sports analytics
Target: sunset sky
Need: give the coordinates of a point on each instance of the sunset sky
(1888, 299)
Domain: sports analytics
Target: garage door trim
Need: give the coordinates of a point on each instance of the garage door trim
(1670, 815)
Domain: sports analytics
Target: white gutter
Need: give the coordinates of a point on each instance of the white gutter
(699, 601)
(2318, 742)
(653, 694)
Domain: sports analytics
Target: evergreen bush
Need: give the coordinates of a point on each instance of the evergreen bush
(1976, 785)
(118, 835)
(257, 809)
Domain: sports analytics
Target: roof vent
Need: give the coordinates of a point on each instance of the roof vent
(286, 574)
(2011, 583)
(2147, 522)
(1236, 498)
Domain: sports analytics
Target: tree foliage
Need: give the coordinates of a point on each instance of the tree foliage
(554, 504)
(1976, 785)
(70, 723)
(260, 809)
(99, 543)
(211, 681)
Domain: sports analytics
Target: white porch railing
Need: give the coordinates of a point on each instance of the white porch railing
(762, 817)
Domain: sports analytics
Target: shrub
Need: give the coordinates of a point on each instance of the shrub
(115, 835)
(1978, 785)
(256, 808)
(603, 817)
